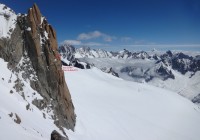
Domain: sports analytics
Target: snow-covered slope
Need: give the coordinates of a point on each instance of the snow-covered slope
(7, 21)
(107, 108)
(110, 108)
(19, 118)
(142, 70)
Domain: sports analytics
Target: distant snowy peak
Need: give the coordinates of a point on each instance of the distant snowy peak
(125, 54)
(7, 21)
(91, 53)
(67, 53)
(70, 55)
(87, 52)
(181, 62)
(84, 52)
(164, 61)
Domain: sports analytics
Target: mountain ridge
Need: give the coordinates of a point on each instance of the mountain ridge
(149, 67)
(31, 52)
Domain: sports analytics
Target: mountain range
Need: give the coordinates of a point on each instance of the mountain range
(174, 70)
(108, 95)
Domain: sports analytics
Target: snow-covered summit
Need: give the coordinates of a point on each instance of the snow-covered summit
(7, 21)
(92, 53)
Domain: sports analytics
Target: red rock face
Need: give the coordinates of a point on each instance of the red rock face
(41, 44)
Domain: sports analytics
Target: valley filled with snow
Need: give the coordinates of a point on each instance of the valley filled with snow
(111, 108)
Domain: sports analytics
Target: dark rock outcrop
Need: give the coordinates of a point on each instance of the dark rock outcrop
(165, 73)
(11, 50)
(110, 71)
(35, 38)
(17, 119)
(181, 62)
(56, 136)
(196, 99)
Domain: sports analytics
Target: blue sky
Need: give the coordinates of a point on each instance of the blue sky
(118, 24)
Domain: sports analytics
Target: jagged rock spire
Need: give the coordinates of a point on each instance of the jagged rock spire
(36, 38)
(42, 48)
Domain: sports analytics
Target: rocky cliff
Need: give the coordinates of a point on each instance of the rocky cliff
(33, 43)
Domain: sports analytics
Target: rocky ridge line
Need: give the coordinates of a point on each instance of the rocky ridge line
(35, 39)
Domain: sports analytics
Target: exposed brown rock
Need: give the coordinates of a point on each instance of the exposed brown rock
(36, 14)
(48, 67)
(40, 43)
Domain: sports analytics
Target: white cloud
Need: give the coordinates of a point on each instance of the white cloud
(72, 42)
(95, 35)
(90, 35)
(94, 44)
(80, 43)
